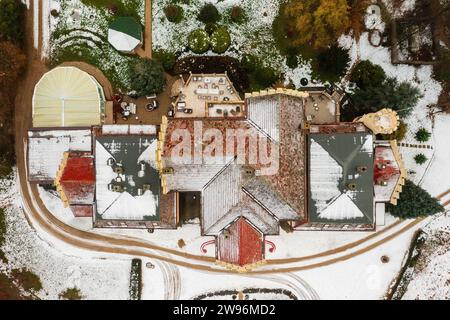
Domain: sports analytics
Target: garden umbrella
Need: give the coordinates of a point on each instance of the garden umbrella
(125, 34)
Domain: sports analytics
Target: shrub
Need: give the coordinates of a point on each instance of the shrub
(237, 15)
(174, 13)
(249, 62)
(265, 76)
(71, 294)
(147, 77)
(220, 40)
(367, 74)
(292, 60)
(399, 134)
(166, 58)
(54, 13)
(332, 63)
(12, 26)
(215, 64)
(2, 227)
(27, 279)
(414, 202)
(198, 41)
(208, 13)
(210, 28)
(420, 158)
(136, 279)
(422, 135)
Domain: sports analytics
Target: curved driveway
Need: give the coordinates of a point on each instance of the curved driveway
(40, 218)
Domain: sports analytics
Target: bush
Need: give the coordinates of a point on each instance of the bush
(422, 135)
(136, 279)
(147, 77)
(292, 60)
(27, 279)
(208, 14)
(220, 40)
(215, 64)
(174, 13)
(166, 58)
(198, 41)
(237, 15)
(210, 28)
(332, 63)
(367, 74)
(12, 25)
(420, 158)
(399, 134)
(249, 62)
(71, 294)
(265, 76)
(414, 202)
(2, 227)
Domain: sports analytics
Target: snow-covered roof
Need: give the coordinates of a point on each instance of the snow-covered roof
(46, 150)
(341, 178)
(134, 203)
(261, 192)
(264, 112)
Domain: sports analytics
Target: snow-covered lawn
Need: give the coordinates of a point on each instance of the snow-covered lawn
(58, 266)
(79, 32)
(251, 37)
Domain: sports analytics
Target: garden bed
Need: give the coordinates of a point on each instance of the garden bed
(79, 31)
(251, 36)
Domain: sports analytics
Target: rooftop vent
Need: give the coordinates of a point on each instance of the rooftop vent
(361, 169)
(110, 162)
(351, 186)
(167, 170)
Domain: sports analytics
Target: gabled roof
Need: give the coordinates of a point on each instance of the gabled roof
(241, 244)
(46, 150)
(389, 172)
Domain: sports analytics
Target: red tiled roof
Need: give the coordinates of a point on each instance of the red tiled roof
(242, 244)
(79, 169)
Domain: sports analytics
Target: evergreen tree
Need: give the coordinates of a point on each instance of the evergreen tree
(401, 97)
(12, 21)
(422, 135)
(420, 158)
(366, 74)
(414, 202)
(147, 77)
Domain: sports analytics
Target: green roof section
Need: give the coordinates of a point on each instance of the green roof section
(127, 25)
(347, 160)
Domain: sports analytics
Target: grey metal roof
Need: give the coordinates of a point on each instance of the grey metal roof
(340, 155)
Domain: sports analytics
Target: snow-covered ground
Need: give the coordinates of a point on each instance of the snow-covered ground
(58, 266)
(429, 278)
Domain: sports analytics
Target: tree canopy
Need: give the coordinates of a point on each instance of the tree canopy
(147, 77)
(11, 21)
(414, 202)
(401, 97)
(317, 22)
(12, 63)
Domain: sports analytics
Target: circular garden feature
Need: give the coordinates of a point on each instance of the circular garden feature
(220, 40)
(198, 41)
